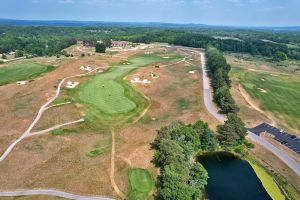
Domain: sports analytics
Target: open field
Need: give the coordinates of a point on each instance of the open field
(175, 95)
(141, 184)
(278, 94)
(266, 93)
(21, 72)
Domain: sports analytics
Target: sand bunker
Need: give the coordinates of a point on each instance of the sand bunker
(71, 84)
(137, 80)
(21, 82)
(166, 57)
(148, 52)
(87, 68)
(192, 72)
(262, 90)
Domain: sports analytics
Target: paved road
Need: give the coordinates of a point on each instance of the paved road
(208, 100)
(51, 192)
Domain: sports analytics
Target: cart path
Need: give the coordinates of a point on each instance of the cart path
(55, 127)
(39, 115)
(208, 100)
(51, 192)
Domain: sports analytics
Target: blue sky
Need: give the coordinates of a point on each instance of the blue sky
(215, 12)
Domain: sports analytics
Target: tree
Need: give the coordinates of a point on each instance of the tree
(100, 48)
(233, 131)
(4, 56)
(19, 53)
(169, 152)
(224, 100)
(280, 56)
(198, 179)
(208, 141)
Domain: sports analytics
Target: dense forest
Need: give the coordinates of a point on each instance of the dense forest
(47, 41)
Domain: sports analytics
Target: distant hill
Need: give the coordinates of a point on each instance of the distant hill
(66, 23)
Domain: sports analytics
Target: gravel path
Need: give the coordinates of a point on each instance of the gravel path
(208, 101)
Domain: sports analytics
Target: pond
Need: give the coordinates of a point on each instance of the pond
(231, 178)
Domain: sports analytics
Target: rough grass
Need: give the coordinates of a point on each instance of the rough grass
(281, 96)
(141, 184)
(109, 100)
(268, 182)
(19, 72)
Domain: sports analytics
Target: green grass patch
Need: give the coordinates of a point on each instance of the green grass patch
(279, 94)
(141, 184)
(95, 152)
(268, 182)
(19, 72)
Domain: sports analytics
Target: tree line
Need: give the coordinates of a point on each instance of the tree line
(47, 41)
(232, 133)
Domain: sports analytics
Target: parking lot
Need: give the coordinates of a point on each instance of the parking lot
(287, 139)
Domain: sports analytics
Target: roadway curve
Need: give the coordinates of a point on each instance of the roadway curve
(51, 192)
(208, 101)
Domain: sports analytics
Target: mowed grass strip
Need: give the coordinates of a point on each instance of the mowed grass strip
(20, 72)
(141, 184)
(279, 94)
(268, 182)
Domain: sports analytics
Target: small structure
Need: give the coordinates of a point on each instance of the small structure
(21, 82)
(119, 44)
(71, 84)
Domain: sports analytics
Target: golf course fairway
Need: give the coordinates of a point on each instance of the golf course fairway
(109, 100)
(22, 72)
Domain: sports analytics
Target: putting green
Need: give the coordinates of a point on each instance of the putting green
(141, 184)
(279, 94)
(109, 100)
(20, 72)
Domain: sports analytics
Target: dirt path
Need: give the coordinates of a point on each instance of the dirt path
(112, 167)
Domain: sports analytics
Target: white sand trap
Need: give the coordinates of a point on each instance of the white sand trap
(71, 84)
(100, 71)
(262, 90)
(263, 79)
(21, 82)
(192, 72)
(137, 80)
(148, 52)
(166, 57)
(87, 68)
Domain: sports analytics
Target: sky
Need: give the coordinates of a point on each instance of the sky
(211, 12)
